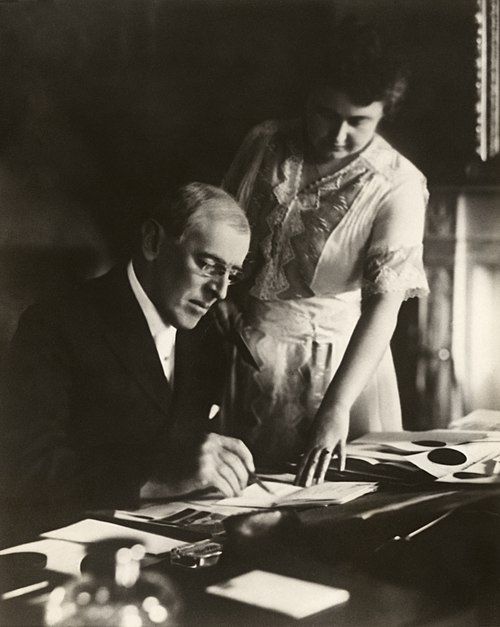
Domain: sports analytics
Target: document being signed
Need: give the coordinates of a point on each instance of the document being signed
(287, 495)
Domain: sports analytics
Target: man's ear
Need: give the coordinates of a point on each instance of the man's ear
(152, 236)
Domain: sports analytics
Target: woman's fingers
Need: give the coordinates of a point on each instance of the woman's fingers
(307, 468)
(341, 449)
(311, 467)
(323, 463)
(303, 464)
(316, 462)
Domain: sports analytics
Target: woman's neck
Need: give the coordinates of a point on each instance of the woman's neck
(313, 170)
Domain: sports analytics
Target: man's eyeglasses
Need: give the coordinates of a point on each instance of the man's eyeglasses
(216, 269)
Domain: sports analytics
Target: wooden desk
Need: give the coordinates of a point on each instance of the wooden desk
(446, 575)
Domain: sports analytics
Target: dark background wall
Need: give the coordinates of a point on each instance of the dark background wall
(103, 103)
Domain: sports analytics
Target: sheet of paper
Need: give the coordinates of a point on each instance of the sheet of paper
(486, 419)
(158, 511)
(289, 495)
(280, 477)
(484, 472)
(62, 557)
(331, 492)
(90, 530)
(287, 595)
(152, 511)
(379, 452)
(445, 435)
(455, 458)
(254, 496)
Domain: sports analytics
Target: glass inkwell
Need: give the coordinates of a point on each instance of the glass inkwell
(114, 591)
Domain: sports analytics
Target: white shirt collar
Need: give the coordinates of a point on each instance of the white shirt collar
(163, 334)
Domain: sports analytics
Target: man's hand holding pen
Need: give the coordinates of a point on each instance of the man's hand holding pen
(216, 462)
(224, 463)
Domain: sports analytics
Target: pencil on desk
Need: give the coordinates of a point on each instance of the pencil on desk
(253, 477)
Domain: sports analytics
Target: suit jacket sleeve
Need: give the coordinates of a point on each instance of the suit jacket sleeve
(41, 461)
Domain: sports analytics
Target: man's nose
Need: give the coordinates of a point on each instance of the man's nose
(220, 285)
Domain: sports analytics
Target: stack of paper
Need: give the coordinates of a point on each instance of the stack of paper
(287, 495)
(418, 456)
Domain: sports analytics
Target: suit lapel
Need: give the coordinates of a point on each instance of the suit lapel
(127, 332)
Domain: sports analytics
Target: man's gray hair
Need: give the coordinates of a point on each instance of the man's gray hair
(179, 213)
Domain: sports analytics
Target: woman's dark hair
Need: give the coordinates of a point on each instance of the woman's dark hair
(360, 64)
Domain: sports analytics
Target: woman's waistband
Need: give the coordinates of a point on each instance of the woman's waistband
(303, 319)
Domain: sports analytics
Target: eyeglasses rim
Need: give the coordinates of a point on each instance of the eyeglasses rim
(215, 270)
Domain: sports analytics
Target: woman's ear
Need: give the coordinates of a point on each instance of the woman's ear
(152, 236)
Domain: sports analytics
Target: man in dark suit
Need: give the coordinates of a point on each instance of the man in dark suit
(95, 412)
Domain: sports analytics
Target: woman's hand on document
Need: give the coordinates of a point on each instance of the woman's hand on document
(328, 438)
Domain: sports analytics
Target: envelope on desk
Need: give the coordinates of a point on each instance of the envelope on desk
(287, 595)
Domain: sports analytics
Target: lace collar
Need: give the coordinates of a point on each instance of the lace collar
(376, 156)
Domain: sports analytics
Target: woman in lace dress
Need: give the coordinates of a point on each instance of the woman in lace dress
(337, 219)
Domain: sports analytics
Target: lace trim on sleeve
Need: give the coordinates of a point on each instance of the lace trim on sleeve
(395, 271)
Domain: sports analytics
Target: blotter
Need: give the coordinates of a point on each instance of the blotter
(287, 595)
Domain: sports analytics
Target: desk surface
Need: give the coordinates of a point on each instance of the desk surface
(447, 575)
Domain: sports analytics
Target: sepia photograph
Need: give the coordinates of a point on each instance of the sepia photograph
(249, 284)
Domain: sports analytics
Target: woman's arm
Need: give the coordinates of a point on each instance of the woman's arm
(366, 348)
(393, 270)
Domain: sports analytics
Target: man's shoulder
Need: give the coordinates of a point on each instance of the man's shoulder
(76, 302)
(103, 287)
